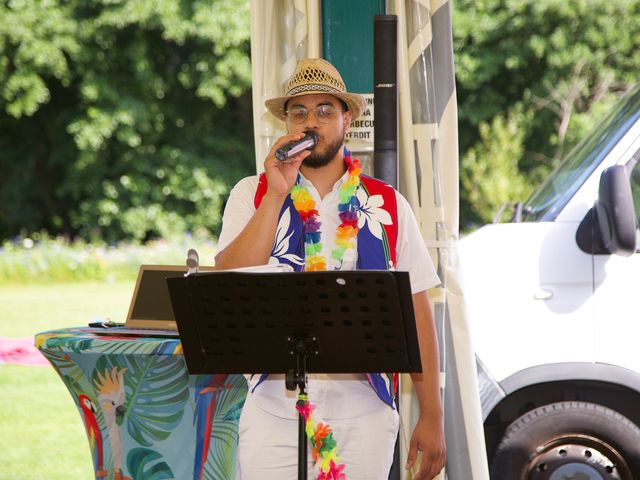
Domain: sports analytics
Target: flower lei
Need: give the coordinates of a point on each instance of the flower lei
(347, 210)
(322, 441)
(324, 446)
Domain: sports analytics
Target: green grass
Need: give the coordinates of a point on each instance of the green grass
(29, 309)
(41, 432)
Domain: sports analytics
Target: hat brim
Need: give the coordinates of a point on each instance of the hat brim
(355, 103)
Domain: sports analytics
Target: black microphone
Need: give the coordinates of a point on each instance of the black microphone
(305, 143)
(193, 262)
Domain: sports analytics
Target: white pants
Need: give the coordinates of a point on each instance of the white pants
(268, 446)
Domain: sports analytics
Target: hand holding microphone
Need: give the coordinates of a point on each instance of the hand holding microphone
(283, 163)
(307, 142)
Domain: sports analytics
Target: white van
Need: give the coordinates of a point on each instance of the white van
(554, 305)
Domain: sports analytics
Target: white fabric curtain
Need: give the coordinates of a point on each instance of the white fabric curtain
(283, 31)
(429, 180)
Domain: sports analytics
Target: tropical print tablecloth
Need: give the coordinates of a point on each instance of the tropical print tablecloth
(146, 418)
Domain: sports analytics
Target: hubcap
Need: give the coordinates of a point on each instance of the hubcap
(577, 457)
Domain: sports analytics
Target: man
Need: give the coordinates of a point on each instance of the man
(315, 211)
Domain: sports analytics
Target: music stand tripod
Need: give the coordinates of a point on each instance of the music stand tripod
(358, 321)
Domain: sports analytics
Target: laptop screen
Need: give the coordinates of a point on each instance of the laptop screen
(152, 301)
(151, 305)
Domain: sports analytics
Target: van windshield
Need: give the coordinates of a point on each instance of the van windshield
(554, 193)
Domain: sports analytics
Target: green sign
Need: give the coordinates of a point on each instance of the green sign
(347, 39)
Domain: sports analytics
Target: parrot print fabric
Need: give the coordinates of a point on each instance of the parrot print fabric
(146, 418)
(111, 397)
(88, 409)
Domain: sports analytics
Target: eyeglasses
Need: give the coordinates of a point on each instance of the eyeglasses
(324, 113)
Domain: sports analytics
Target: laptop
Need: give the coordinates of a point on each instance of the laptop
(150, 306)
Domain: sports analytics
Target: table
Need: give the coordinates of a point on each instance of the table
(145, 416)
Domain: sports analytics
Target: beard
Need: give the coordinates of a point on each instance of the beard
(319, 158)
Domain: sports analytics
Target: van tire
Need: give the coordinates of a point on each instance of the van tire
(567, 436)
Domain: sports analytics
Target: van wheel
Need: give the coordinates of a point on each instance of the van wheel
(568, 440)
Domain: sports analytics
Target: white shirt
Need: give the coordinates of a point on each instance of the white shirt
(337, 396)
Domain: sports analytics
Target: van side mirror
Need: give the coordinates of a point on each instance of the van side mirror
(615, 215)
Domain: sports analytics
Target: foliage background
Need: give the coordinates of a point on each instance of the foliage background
(130, 120)
(121, 119)
(533, 77)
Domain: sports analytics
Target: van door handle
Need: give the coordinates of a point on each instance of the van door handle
(543, 294)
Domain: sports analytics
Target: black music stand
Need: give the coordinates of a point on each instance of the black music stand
(357, 321)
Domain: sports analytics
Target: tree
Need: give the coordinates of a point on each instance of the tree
(558, 63)
(122, 119)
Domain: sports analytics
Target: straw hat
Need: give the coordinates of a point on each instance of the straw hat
(315, 75)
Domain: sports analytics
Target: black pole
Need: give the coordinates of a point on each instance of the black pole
(302, 448)
(301, 380)
(385, 127)
(385, 99)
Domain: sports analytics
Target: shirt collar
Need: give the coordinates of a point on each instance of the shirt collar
(336, 186)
